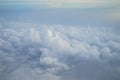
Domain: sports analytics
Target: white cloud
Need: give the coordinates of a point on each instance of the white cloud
(34, 35)
(57, 52)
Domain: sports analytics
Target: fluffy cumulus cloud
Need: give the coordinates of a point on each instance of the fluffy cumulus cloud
(58, 52)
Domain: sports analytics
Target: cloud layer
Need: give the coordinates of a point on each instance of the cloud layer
(58, 52)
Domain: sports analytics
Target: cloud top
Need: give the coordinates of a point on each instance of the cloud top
(58, 52)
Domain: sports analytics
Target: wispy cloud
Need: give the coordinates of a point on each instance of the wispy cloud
(65, 3)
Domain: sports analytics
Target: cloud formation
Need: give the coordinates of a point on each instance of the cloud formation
(41, 52)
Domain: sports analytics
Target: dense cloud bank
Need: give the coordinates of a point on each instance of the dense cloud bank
(58, 52)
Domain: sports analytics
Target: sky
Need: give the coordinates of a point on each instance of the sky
(59, 40)
(66, 3)
(76, 12)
